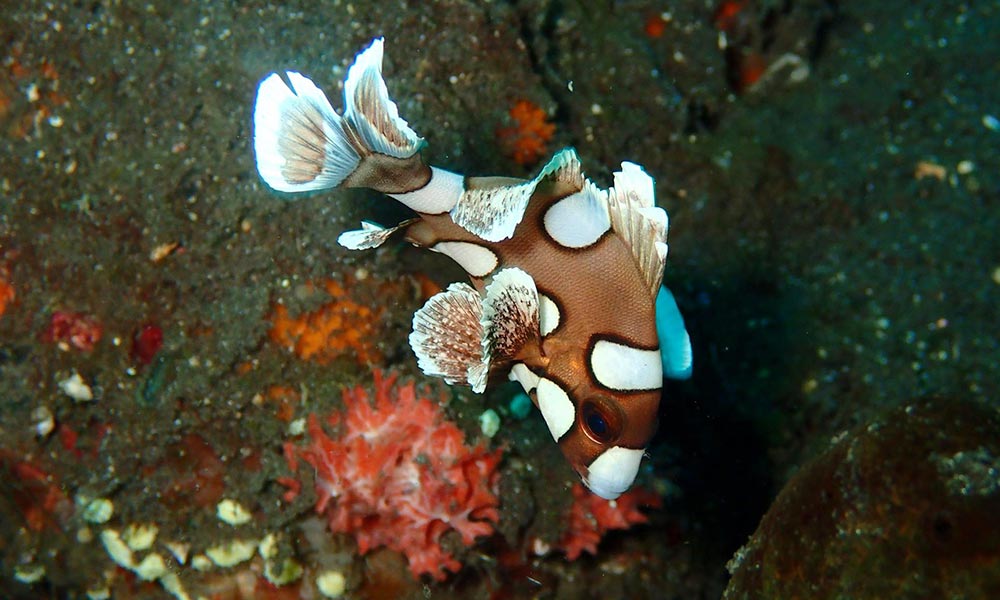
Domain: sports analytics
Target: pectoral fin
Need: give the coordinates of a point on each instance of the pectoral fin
(447, 337)
(510, 317)
(459, 335)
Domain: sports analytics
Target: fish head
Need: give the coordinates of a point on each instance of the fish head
(602, 411)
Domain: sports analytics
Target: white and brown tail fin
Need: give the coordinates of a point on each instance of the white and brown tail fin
(299, 140)
(303, 144)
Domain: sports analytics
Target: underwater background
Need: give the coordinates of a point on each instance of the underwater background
(179, 346)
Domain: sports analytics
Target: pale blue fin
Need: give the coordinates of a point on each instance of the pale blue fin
(675, 343)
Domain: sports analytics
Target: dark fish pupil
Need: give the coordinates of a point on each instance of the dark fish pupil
(597, 424)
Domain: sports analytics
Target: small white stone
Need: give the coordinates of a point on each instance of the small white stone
(268, 547)
(76, 388)
(95, 510)
(117, 549)
(179, 550)
(540, 548)
(297, 427)
(84, 535)
(489, 422)
(201, 563)
(331, 584)
(232, 512)
(29, 573)
(102, 593)
(282, 572)
(152, 567)
(42, 421)
(232, 553)
(172, 583)
(140, 536)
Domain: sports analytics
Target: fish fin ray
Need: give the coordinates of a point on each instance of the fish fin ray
(564, 167)
(642, 224)
(447, 337)
(510, 316)
(371, 235)
(492, 213)
(371, 113)
(299, 140)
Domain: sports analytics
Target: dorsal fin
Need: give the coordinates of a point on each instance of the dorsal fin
(642, 224)
(564, 167)
(493, 212)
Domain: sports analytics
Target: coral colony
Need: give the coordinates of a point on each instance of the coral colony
(397, 474)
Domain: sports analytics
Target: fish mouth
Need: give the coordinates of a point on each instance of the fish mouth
(602, 492)
(613, 472)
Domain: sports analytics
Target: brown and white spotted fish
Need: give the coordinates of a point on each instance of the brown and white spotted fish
(564, 275)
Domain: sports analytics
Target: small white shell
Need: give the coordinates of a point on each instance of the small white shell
(43, 421)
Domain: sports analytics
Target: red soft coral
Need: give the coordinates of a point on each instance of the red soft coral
(398, 475)
(591, 517)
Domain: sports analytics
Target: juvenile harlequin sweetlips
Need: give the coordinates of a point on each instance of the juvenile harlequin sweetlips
(564, 274)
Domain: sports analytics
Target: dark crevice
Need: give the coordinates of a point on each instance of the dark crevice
(542, 59)
(824, 28)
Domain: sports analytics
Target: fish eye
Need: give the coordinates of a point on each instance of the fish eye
(601, 420)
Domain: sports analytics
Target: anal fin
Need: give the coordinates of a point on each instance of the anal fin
(371, 235)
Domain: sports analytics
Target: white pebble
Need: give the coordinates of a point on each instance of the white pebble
(489, 422)
(331, 584)
(232, 553)
(43, 421)
(76, 388)
(232, 512)
(140, 536)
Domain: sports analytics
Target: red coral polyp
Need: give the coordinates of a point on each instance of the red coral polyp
(396, 474)
(73, 329)
(146, 342)
(591, 517)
